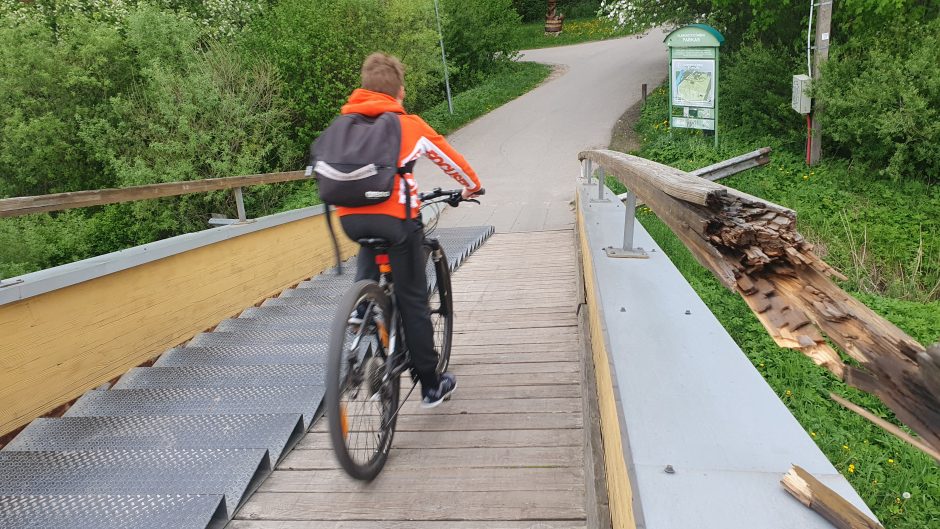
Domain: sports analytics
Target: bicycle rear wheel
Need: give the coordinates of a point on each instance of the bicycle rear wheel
(361, 399)
(442, 307)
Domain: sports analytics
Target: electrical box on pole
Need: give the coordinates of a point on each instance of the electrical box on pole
(693, 77)
(801, 101)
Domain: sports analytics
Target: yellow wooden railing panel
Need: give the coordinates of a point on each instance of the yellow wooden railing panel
(57, 345)
(619, 488)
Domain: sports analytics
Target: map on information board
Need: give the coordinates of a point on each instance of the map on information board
(693, 83)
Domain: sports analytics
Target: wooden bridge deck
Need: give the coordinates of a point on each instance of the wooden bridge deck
(506, 452)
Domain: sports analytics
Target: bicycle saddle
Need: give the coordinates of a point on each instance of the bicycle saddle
(377, 244)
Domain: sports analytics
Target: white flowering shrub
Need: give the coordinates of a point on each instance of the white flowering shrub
(640, 15)
(623, 13)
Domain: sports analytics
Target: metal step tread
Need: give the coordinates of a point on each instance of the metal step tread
(124, 471)
(223, 376)
(200, 401)
(108, 511)
(272, 432)
(245, 355)
(311, 335)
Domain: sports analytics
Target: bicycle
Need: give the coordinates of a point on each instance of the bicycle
(368, 354)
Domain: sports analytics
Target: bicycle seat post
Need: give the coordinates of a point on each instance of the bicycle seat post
(385, 269)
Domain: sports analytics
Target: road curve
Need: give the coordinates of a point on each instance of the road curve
(526, 151)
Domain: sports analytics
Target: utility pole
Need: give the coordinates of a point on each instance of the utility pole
(823, 22)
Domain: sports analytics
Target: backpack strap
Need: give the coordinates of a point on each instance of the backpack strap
(403, 171)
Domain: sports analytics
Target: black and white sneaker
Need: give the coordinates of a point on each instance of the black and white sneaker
(434, 397)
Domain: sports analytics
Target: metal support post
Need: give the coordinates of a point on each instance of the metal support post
(628, 251)
(240, 205)
(587, 170)
(600, 186)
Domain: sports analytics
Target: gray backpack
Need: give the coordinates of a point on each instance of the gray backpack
(355, 159)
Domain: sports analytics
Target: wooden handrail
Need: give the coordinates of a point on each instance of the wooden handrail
(15, 207)
(752, 246)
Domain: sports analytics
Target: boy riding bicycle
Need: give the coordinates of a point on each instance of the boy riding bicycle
(397, 219)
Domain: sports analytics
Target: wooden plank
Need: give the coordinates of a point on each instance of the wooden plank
(530, 379)
(424, 458)
(418, 480)
(12, 207)
(474, 313)
(519, 368)
(395, 524)
(536, 322)
(513, 337)
(522, 305)
(886, 426)
(510, 358)
(557, 333)
(570, 390)
(475, 349)
(475, 406)
(734, 165)
(820, 498)
(482, 421)
(463, 439)
(500, 505)
(500, 297)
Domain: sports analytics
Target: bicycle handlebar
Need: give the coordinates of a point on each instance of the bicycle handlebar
(452, 196)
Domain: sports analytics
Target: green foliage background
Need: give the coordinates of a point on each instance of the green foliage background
(114, 93)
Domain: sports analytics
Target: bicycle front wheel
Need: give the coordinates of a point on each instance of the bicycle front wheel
(442, 307)
(361, 397)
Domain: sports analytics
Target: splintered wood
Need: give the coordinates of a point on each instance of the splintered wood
(820, 498)
(752, 246)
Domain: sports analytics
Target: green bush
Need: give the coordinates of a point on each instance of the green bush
(478, 35)
(882, 101)
(318, 46)
(215, 18)
(198, 112)
(50, 86)
(755, 86)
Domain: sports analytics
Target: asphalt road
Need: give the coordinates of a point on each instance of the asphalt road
(526, 152)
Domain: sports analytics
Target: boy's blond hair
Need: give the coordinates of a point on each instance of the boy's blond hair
(383, 73)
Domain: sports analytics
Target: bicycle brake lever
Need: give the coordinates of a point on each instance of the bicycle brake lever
(475, 201)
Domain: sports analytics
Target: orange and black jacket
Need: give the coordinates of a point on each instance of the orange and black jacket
(417, 139)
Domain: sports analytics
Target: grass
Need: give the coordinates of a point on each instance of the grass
(502, 87)
(840, 207)
(532, 35)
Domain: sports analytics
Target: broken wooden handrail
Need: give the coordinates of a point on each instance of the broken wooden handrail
(752, 246)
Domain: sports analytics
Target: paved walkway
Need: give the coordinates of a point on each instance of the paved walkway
(506, 452)
(526, 151)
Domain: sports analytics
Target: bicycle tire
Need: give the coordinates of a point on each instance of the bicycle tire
(361, 430)
(442, 308)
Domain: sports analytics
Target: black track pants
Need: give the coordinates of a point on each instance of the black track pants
(408, 259)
